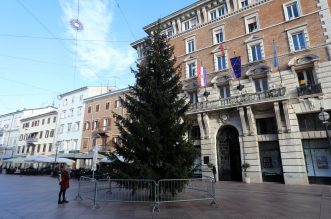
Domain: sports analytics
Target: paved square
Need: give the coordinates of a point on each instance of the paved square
(36, 197)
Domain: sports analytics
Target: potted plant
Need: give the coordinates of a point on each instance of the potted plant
(245, 166)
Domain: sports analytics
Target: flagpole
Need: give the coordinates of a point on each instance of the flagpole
(276, 62)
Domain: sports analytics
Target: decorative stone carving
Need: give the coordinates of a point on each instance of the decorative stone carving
(223, 117)
(258, 70)
(190, 85)
(219, 80)
(302, 60)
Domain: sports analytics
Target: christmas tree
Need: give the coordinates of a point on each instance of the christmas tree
(153, 134)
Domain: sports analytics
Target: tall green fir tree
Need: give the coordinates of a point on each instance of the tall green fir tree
(153, 134)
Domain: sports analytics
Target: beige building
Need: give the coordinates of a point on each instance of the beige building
(99, 123)
(269, 116)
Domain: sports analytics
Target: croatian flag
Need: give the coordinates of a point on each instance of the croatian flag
(202, 78)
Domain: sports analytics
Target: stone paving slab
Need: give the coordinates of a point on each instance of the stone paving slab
(33, 197)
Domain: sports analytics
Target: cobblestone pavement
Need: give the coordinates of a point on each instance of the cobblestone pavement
(36, 197)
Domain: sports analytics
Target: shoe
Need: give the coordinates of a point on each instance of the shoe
(65, 201)
(59, 202)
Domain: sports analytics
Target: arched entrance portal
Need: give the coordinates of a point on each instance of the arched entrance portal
(228, 154)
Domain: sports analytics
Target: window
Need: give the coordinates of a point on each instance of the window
(220, 62)
(50, 147)
(51, 133)
(222, 10)
(38, 148)
(71, 112)
(40, 134)
(266, 126)
(63, 115)
(54, 119)
(43, 122)
(310, 122)
(65, 102)
(118, 103)
(86, 126)
(79, 111)
(190, 45)
(306, 77)
(89, 109)
(193, 97)
(76, 127)
(218, 35)
(106, 122)
(97, 108)
(189, 24)
(81, 97)
(298, 39)
(95, 124)
(72, 99)
(292, 10)
(243, 3)
(23, 148)
(194, 134)
(169, 32)
(48, 120)
(255, 52)
(44, 147)
(46, 134)
(213, 14)
(261, 84)
(61, 128)
(252, 23)
(191, 69)
(21, 137)
(107, 105)
(69, 127)
(225, 91)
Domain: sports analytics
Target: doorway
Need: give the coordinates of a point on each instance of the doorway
(228, 154)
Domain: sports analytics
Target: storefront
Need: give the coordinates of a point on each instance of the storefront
(318, 160)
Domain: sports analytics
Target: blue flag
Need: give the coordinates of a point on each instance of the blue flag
(275, 63)
(236, 66)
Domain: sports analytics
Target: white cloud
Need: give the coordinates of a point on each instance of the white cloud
(96, 58)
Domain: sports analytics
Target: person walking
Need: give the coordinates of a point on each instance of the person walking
(64, 184)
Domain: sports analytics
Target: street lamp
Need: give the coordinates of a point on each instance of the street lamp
(324, 117)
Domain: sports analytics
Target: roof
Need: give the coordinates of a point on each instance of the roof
(40, 115)
(112, 93)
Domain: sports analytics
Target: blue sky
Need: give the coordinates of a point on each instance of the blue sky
(39, 58)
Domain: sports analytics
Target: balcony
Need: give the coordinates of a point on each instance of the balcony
(31, 141)
(310, 89)
(101, 132)
(240, 100)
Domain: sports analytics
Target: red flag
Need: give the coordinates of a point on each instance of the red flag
(222, 49)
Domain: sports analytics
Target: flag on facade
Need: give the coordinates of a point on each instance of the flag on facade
(236, 66)
(275, 62)
(202, 77)
(222, 49)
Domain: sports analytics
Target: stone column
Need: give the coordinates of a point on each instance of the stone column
(235, 5)
(228, 7)
(179, 24)
(205, 16)
(251, 121)
(243, 120)
(291, 151)
(278, 118)
(173, 23)
(287, 118)
(199, 17)
(199, 119)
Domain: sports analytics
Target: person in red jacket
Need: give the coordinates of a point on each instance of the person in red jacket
(64, 184)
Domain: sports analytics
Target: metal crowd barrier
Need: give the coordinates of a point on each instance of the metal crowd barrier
(148, 191)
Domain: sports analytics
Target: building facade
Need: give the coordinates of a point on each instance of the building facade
(37, 134)
(71, 116)
(99, 123)
(268, 116)
(10, 129)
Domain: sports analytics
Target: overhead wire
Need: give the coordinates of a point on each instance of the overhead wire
(125, 19)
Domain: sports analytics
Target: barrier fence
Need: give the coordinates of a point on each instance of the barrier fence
(147, 191)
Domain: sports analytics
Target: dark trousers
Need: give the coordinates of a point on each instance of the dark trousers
(63, 194)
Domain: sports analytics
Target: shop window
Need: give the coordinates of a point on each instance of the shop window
(310, 122)
(266, 126)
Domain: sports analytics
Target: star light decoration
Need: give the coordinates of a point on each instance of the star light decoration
(76, 24)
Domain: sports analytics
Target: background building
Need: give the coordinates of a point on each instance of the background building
(99, 123)
(37, 134)
(267, 117)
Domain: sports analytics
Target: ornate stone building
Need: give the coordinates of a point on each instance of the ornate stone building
(269, 116)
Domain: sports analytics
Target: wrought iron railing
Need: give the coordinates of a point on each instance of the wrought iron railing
(31, 141)
(235, 101)
(309, 89)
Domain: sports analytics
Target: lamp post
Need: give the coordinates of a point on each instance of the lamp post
(324, 117)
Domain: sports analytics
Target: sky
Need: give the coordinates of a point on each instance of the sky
(42, 56)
